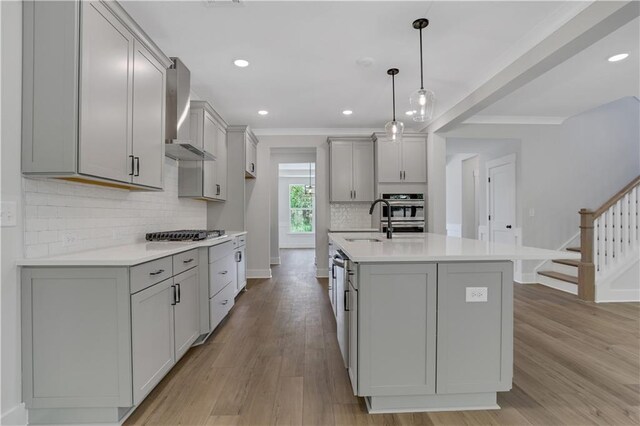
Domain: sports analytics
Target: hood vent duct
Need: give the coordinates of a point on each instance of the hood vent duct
(179, 144)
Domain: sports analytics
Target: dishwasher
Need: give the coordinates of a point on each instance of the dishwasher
(340, 294)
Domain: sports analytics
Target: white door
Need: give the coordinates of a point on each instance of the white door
(187, 314)
(148, 118)
(414, 160)
(105, 95)
(501, 184)
(152, 338)
(341, 171)
(363, 171)
(389, 161)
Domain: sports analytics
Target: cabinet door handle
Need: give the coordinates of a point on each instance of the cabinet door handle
(400, 174)
(253, 167)
(224, 302)
(158, 272)
(333, 271)
(133, 159)
(346, 300)
(223, 272)
(217, 189)
(137, 166)
(508, 226)
(179, 296)
(188, 261)
(355, 194)
(173, 302)
(240, 257)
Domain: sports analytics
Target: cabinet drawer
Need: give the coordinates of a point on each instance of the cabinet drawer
(221, 273)
(242, 240)
(147, 274)
(184, 261)
(220, 251)
(220, 305)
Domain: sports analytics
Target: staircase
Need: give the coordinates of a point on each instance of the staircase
(609, 268)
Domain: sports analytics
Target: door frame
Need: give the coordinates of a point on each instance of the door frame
(505, 160)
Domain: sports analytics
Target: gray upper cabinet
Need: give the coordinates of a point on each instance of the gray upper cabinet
(93, 96)
(351, 169)
(401, 162)
(148, 117)
(251, 155)
(205, 180)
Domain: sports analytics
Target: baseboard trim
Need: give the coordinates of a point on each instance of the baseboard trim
(16, 416)
(275, 260)
(259, 273)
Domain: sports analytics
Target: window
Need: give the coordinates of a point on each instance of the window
(300, 209)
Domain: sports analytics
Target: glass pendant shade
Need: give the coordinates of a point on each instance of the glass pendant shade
(394, 130)
(422, 104)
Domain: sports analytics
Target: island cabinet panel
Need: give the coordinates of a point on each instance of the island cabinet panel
(397, 329)
(76, 337)
(475, 339)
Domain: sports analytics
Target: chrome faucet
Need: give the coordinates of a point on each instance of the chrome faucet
(389, 228)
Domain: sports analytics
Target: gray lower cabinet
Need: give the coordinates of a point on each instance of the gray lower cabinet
(475, 340)
(95, 112)
(96, 341)
(419, 342)
(397, 329)
(153, 337)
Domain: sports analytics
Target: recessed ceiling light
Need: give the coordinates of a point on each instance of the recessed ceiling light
(241, 63)
(410, 113)
(347, 112)
(618, 57)
(263, 112)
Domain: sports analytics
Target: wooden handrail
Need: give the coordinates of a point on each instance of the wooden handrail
(611, 201)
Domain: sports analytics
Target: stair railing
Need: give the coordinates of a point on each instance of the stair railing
(607, 236)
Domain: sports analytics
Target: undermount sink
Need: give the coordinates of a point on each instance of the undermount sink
(370, 240)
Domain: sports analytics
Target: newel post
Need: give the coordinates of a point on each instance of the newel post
(586, 268)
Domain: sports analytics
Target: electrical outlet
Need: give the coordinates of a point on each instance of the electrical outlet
(8, 212)
(476, 294)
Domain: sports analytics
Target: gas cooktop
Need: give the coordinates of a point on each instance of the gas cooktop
(185, 235)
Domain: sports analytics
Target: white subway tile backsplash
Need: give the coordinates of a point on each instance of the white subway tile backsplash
(63, 217)
(350, 215)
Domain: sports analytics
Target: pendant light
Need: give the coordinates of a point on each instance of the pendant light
(422, 100)
(394, 128)
(309, 189)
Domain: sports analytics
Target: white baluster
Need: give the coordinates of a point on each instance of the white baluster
(626, 235)
(609, 236)
(597, 249)
(617, 236)
(633, 217)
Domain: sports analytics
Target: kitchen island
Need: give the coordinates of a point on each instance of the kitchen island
(425, 321)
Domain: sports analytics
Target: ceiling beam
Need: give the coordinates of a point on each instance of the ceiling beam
(590, 25)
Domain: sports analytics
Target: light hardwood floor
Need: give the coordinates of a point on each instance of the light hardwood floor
(275, 360)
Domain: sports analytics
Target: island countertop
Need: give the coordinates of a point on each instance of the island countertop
(427, 247)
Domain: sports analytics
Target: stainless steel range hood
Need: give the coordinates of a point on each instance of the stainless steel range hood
(179, 145)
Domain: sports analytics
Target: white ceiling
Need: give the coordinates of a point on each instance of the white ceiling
(303, 54)
(583, 82)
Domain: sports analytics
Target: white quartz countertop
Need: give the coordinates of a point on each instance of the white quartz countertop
(126, 255)
(426, 247)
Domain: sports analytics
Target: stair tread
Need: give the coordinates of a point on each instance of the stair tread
(569, 262)
(574, 249)
(559, 276)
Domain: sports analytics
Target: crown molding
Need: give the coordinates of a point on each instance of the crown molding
(514, 119)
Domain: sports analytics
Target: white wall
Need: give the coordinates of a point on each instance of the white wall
(12, 412)
(259, 204)
(562, 168)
